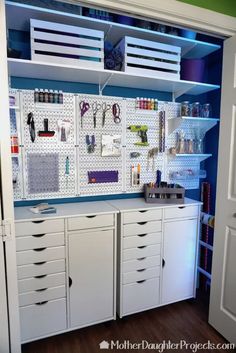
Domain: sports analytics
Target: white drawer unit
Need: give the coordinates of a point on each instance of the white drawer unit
(142, 251)
(141, 295)
(143, 262)
(39, 241)
(42, 295)
(40, 255)
(141, 240)
(92, 221)
(142, 228)
(181, 212)
(140, 275)
(41, 282)
(142, 216)
(39, 227)
(41, 268)
(42, 319)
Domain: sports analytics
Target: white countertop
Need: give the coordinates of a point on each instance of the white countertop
(124, 205)
(66, 210)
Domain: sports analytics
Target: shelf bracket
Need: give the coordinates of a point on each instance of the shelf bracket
(182, 91)
(103, 86)
(187, 50)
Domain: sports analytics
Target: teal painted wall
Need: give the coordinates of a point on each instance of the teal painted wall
(227, 7)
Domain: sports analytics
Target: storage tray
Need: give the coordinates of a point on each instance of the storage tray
(164, 195)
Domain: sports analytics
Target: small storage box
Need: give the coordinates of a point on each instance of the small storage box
(144, 57)
(62, 44)
(164, 195)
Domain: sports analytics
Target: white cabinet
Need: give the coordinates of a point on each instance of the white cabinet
(91, 269)
(179, 260)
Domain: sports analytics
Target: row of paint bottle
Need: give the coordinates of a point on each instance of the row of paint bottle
(48, 96)
(146, 103)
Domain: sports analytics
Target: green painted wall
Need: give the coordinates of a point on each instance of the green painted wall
(227, 7)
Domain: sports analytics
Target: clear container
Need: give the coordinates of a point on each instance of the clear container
(185, 109)
(198, 145)
(206, 110)
(196, 109)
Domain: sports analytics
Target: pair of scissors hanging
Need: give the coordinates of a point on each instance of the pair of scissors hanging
(84, 107)
(105, 108)
(96, 107)
(116, 113)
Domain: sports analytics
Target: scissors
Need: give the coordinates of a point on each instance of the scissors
(84, 107)
(116, 113)
(105, 108)
(96, 107)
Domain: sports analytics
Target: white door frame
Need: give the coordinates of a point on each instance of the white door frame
(7, 190)
(172, 11)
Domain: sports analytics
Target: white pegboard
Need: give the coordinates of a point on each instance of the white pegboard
(95, 161)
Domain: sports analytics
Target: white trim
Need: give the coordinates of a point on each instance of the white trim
(7, 190)
(172, 11)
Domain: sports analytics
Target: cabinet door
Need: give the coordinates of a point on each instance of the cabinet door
(91, 270)
(179, 260)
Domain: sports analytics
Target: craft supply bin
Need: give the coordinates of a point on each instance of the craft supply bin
(164, 195)
(55, 43)
(144, 57)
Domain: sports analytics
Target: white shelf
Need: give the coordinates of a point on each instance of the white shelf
(114, 32)
(50, 71)
(201, 157)
(49, 106)
(15, 155)
(15, 107)
(182, 122)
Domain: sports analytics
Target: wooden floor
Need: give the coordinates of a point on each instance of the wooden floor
(180, 321)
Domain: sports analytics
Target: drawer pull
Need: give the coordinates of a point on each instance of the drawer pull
(141, 258)
(143, 280)
(91, 216)
(163, 263)
(142, 247)
(181, 207)
(37, 222)
(38, 235)
(41, 276)
(142, 211)
(70, 282)
(143, 269)
(40, 263)
(41, 290)
(142, 223)
(39, 249)
(142, 235)
(42, 303)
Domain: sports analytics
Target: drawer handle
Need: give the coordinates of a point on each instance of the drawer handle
(181, 207)
(163, 263)
(41, 290)
(40, 249)
(40, 263)
(142, 223)
(70, 282)
(141, 258)
(144, 280)
(37, 222)
(142, 247)
(41, 276)
(91, 216)
(42, 303)
(142, 269)
(142, 211)
(38, 235)
(142, 235)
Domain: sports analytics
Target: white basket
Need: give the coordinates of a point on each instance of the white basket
(144, 57)
(69, 45)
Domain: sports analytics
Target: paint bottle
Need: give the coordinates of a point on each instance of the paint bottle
(60, 97)
(55, 97)
(46, 96)
(41, 96)
(50, 96)
(137, 103)
(152, 104)
(156, 104)
(36, 95)
(141, 103)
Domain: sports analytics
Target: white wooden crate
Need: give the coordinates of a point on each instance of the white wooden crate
(144, 57)
(69, 45)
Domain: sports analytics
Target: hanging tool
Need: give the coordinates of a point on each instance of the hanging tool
(67, 170)
(30, 122)
(84, 107)
(96, 107)
(116, 113)
(162, 127)
(105, 108)
(142, 132)
(151, 156)
(90, 142)
(46, 132)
